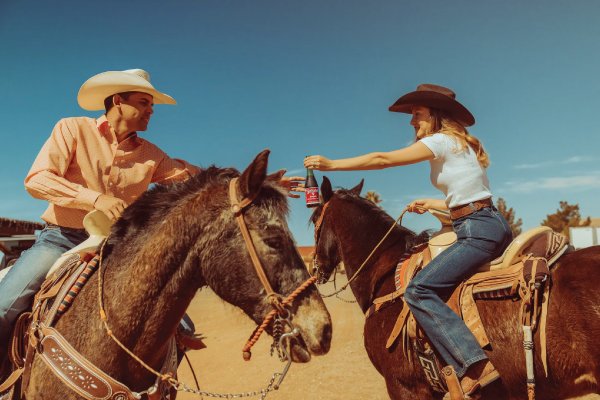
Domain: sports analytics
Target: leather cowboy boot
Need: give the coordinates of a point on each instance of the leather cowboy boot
(478, 375)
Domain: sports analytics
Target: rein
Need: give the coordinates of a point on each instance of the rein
(318, 226)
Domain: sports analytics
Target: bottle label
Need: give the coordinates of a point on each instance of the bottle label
(312, 195)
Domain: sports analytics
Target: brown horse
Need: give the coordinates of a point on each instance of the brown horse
(351, 228)
(171, 242)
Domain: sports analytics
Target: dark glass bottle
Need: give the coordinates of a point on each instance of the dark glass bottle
(311, 189)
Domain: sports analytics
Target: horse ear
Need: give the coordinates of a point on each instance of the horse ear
(253, 177)
(276, 176)
(326, 189)
(358, 188)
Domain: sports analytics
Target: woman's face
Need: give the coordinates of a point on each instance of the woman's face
(420, 120)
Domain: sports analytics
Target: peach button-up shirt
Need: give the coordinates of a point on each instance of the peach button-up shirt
(82, 160)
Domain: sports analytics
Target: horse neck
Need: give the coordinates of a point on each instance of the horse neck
(357, 238)
(150, 281)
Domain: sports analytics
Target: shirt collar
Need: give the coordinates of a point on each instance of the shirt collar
(104, 127)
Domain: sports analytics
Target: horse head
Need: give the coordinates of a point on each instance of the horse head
(327, 248)
(232, 275)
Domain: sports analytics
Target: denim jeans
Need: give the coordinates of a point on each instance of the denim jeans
(481, 237)
(26, 276)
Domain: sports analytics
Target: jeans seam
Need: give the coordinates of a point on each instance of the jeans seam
(449, 340)
(468, 363)
(441, 328)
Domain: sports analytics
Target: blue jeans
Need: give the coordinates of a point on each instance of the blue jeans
(481, 237)
(26, 276)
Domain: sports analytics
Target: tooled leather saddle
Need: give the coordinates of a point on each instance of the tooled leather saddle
(521, 271)
(35, 333)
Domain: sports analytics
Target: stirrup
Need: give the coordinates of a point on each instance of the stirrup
(455, 391)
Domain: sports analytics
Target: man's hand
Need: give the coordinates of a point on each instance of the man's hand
(292, 184)
(112, 207)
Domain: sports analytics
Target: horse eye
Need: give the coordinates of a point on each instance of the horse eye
(274, 243)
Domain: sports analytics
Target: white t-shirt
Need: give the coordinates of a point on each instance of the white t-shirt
(458, 174)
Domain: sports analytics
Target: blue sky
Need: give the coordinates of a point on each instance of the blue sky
(317, 77)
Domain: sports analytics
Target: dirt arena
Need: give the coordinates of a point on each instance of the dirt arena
(345, 372)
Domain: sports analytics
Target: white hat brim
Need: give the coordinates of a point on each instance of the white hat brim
(93, 92)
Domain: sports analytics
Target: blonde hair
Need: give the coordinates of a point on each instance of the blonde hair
(441, 122)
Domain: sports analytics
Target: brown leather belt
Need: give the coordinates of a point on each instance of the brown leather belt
(461, 211)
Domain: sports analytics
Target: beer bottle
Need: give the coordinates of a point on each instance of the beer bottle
(311, 189)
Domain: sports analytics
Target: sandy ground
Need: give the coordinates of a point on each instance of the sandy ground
(345, 372)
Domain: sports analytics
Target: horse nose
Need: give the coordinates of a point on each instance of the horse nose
(323, 345)
(326, 338)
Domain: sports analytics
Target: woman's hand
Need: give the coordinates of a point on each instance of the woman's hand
(292, 184)
(422, 205)
(319, 163)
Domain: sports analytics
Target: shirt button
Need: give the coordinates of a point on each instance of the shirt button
(111, 184)
(115, 143)
(116, 162)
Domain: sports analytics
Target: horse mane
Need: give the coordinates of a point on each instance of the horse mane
(152, 208)
(378, 216)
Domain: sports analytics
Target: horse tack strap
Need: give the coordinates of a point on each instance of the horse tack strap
(86, 379)
(318, 225)
(11, 380)
(400, 322)
(545, 299)
(236, 208)
(189, 342)
(389, 297)
(415, 261)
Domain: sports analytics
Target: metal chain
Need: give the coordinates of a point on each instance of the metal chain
(337, 292)
(346, 301)
(182, 387)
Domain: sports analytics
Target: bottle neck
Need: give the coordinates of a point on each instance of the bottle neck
(309, 172)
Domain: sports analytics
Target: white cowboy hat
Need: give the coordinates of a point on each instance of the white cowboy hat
(93, 92)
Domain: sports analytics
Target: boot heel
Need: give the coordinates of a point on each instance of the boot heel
(489, 378)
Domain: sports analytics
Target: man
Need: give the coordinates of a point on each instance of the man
(89, 164)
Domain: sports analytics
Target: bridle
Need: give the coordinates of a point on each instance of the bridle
(316, 271)
(319, 274)
(273, 298)
(237, 207)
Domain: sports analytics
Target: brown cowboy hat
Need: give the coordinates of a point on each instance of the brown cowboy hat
(434, 96)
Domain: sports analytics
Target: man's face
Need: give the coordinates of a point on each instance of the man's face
(136, 110)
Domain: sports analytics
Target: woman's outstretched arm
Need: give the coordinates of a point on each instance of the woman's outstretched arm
(410, 155)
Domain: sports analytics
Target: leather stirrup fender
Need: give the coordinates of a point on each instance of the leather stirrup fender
(400, 322)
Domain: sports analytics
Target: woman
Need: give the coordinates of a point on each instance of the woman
(458, 168)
